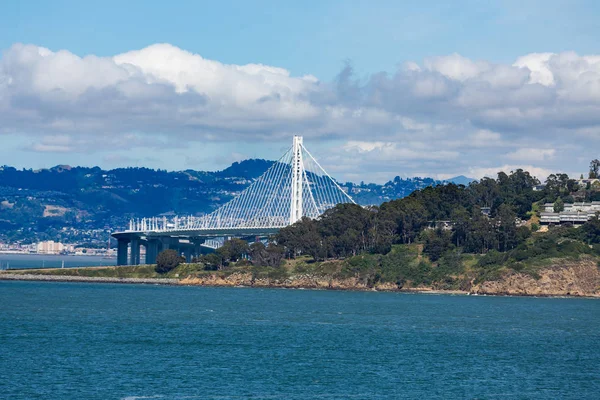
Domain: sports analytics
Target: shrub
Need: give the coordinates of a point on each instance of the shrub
(167, 261)
(493, 257)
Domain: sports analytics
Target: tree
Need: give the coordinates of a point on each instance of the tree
(168, 260)
(507, 228)
(301, 238)
(559, 205)
(235, 249)
(594, 169)
(266, 256)
(436, 243)
(461, 220)
(232, 251)
(591, 231)
(211, 261)
(559, 185)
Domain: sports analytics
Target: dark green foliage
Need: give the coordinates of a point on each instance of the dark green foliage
(559, 186)
(436, 243)
(594, 169)
(233, 250)
(168, 260)
(590, 232)
(492, 258)
(266, 256)
(211, 261)
(364, 267)
(559, 242)
(342, 231)
(402, 265)
(347, 229)
(559, 205)
(447, 273)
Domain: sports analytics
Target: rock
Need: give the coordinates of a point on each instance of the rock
(569, 278)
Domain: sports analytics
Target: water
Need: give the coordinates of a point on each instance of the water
(101, 341)
(18, 261)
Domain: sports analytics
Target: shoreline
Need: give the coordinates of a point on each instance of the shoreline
(86, 279)
(178, 282)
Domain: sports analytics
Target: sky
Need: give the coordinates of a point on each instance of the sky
(377, 88)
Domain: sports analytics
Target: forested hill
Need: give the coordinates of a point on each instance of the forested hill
(66, 203)
(439, 237)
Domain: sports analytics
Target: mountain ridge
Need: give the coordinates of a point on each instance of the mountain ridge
(72, 203)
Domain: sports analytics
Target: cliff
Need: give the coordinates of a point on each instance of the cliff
(563, 278)
(300, 281)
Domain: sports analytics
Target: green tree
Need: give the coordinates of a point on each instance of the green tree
(507, 228)
(212, 261)
(168, 260)
(436, 243)
(236, 249)
(594, 169)
(232, 251)
(559, 205)
(266, 256)
(301, 238)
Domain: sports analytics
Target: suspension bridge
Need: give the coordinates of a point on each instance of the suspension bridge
(295, 186)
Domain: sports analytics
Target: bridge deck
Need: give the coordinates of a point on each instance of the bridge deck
(198, 233)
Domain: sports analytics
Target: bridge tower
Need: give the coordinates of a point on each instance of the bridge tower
(297, 178)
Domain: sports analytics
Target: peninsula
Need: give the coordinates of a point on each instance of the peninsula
(484, 238)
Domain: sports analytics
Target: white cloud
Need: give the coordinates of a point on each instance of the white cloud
(531, 154)
(485, 138)
(492, 172)
(445, 115)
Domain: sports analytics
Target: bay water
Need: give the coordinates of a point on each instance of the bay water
(110, 341)
(22, 261)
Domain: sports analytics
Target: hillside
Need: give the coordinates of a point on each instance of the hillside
(75, 204)
(435, 239)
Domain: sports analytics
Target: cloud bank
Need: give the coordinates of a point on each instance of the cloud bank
(442, 116)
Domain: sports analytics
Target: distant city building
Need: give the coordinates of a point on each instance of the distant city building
(573, 213)
(52, 247)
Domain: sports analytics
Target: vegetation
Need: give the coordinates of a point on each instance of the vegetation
(167, 261)
(437, 237)
(66, 203)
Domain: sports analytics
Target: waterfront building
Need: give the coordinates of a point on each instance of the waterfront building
(52, 247)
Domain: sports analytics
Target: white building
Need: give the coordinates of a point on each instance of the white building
(574, 213)
(50, 247)
(594, 206)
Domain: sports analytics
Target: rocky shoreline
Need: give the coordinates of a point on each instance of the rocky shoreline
(579, 279)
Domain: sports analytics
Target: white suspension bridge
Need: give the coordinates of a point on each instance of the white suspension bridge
(295, 186)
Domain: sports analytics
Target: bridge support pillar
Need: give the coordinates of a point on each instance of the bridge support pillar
(187, 253)
(152, 249)
(197, 250)
(168, 244)
(122, 251)
(134, 256)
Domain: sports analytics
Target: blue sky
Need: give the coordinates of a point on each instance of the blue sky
(312, 37)
(316, 38)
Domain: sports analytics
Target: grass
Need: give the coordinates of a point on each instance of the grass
(404, 265)
(130, 271)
